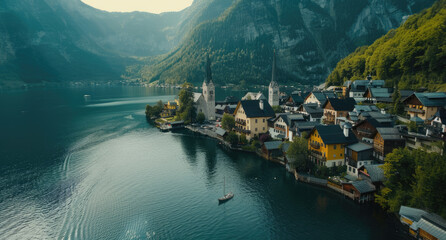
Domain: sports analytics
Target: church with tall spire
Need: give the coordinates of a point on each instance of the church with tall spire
(205, 101)
(273, 90)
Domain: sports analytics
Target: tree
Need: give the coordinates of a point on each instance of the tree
(298, 153)
(277, 109)
(186, 111)
(200, 117)
(228, 122)
(155, 110)
(232, 138)
(243, 139)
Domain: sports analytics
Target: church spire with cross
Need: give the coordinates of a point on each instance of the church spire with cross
(273, 93)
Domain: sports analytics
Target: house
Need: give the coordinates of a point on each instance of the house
(372, 173)
(356, 156)
(313, 110)
(170, 108)
(353, 116)
(425, 105)
(365, 130)
(326, 144)
(357, 89)
(363, 191)
(438, 124)
(318, 97)
(422, 224)
(254, 96)
(284, 122)
(293, 101)
(271, 150)
(301, 127)
(385, 140)
(378, 95)
(335, 108)
(251, 117)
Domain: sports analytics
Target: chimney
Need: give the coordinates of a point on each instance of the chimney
(347, 127)
(261, 104)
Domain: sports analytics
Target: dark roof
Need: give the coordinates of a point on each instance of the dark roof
(364, 186)
(272, 145)
(289, 119)
(405, 93)
(381, 92)
(333, 134)
(297, 99)
(322, 96)
(413, 214)
(359, 147)
(431, 99)
(252, 109)
(442, 115)
(313, 109)
(375, 172)
(389, 133)
(346, 104)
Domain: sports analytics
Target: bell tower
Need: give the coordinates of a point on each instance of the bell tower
(273, 93)
(209, 92)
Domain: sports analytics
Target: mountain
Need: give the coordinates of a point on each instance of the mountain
(67, 40)
(310, 37)
(413, 55)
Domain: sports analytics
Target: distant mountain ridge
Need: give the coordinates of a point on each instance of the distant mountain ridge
(67, 40)
(310, 37)
(412, 56)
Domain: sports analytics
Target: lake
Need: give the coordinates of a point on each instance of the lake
(77, 168)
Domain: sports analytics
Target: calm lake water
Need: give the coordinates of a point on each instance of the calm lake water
(76, 169)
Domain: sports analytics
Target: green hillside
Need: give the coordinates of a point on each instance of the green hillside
(413, 55)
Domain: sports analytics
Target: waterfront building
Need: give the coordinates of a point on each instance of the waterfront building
(361, 191)
(422, 224)
(327, 144)
(170, 108)
(205, 102)
(251, 117)
(356, 156)
(385, 140)
(335, 108)
(425, 105)
(373, 173)
(273, 89)
(318, 97)
(272, 149)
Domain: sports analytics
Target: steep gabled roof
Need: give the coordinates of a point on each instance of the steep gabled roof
(333, 134)
(252, 109)
(272, 145)
(364, 186)
(346, 104)
(430, 99)
(389, 133)
(375, 172)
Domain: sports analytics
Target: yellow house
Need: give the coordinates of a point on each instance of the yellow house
(170, 108)
(251, 117)
(327, 144)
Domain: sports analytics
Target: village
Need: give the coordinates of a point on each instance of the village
(347, 132)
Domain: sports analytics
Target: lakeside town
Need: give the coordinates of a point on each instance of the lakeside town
(352, 138)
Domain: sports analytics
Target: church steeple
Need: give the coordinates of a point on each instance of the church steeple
(208, 70)
(273, 90)
(273, 77)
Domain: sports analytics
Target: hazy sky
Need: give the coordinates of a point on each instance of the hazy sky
(153, 6)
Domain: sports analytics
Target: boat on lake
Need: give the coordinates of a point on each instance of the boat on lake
(226, 196)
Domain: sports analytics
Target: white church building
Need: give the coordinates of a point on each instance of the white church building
(205, 102)
(273, 90)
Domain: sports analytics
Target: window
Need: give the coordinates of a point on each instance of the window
(256, 130)
(334, 146)
(341, 154)
(256, 120)
(263, 120)
(263, 128)
(334, 155)
(354, 170)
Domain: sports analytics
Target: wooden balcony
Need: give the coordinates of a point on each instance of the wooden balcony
(315, 145)
(241, 122)
(414, 110)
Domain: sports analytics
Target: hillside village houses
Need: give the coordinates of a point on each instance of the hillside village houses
(343, 126)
